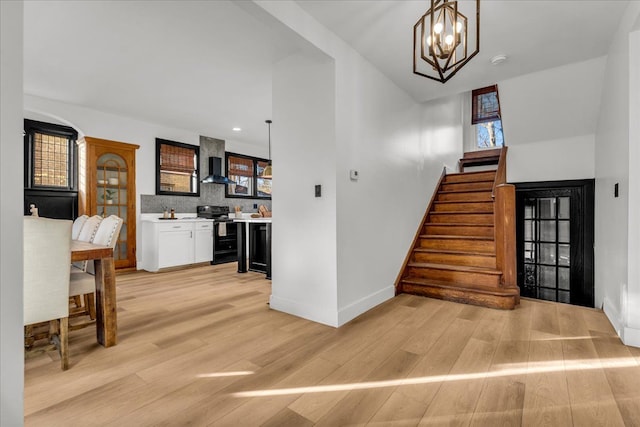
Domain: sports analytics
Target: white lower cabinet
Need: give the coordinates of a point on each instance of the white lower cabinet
(204, 242)
(175, 243)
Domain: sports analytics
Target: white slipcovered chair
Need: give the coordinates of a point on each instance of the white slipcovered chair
(86, 233)
(78, 223)
(47, 255)
(84, 282)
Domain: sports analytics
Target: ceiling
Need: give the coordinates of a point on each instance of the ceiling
(206, 66)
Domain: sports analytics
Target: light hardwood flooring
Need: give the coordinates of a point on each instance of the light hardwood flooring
(201, 347)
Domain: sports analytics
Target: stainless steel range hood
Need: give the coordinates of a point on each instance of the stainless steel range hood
(215, 173)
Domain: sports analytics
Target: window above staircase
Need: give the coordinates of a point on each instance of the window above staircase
(486, 118)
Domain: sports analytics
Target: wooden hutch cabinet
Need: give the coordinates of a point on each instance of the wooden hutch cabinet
(107, 186)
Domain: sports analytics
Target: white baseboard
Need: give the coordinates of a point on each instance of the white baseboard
(355, 309)
(329, 317)
(614, 316)
(309, 312)
(631, 337)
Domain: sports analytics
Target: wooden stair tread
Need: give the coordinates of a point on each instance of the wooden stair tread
(455, 237)
(461, 213)
(460, 201)
(456, 224)
(469, 180)
(488, 290)
(465, 268)
(470, 173)
(453, 252)
(475, 190)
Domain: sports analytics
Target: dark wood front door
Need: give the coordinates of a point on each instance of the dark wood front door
(555, 240)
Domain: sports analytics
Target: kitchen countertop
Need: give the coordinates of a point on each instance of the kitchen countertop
(157, 217)
(258, 220)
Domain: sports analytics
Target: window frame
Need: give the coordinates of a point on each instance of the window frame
(494, 117)
(31, 127)
(196, 149)
(254, 178)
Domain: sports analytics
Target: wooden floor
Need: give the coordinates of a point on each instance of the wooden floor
(201, 347)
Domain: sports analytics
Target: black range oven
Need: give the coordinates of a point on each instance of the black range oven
(225, 241)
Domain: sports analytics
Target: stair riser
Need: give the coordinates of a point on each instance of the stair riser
(459, 230)
(481, 196)
(463, 207)
(455, 259)
(486, 219)
(505, 302)
(461, 277)
(484, 176)
(482, 246)
(467, 186)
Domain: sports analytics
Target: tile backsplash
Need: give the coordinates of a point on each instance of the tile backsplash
(210, 194)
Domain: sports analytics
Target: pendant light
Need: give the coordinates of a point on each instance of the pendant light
(266, 172)
(443, 38)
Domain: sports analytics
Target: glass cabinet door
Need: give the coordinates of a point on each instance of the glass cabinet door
(112, 179)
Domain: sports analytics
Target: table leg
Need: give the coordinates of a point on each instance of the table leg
(106, 316)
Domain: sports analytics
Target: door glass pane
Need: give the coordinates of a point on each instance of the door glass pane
(547, 231)
(564, 278)
(563, 231)
(546, 276)
(529, 208)
(547, 294)
(547, 253)
(564, 252)
(564, 207)
(529, 252)
(528, 230)
(564, 296)
(529, 275)
(547, 208)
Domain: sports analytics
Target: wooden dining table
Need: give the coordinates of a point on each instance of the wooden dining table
(106, 316)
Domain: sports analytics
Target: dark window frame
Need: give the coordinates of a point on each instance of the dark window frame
(475, 94)
(31, 127)
(159, 191)
(255, 177)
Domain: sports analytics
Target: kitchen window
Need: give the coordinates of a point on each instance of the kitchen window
(177, 171)
(245, 172)
(50, 156)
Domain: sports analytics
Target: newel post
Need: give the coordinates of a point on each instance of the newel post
(505, 233)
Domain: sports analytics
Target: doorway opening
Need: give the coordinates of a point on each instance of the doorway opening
(554, 232)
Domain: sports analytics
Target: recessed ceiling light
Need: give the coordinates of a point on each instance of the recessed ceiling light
(498, 59)
(236, 129)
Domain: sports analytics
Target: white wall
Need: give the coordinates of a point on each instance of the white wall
(552, 160)
(377, 132)
(612, 166)
(549, 121)
(632, 330)
(304, 226)
(11, 169)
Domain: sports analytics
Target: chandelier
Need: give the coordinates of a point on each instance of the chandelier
(441, 39)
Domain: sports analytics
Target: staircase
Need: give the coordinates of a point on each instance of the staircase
(464, 250)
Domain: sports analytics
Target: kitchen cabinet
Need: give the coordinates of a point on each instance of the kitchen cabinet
(259, 250)
(107, 186)
(173, 243)
(204, 241)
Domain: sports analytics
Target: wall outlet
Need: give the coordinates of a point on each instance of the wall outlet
(615, 190)
(353, 174)
(318, 190)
